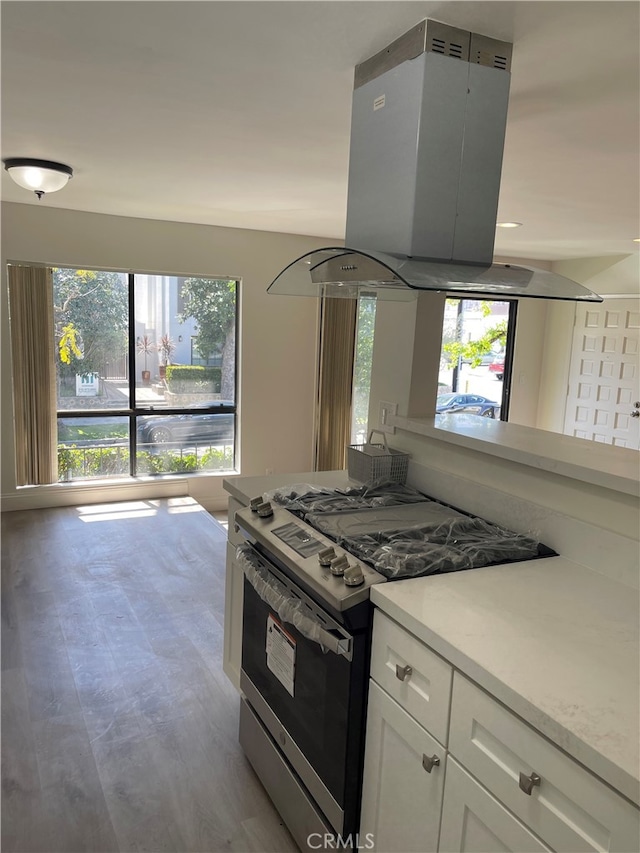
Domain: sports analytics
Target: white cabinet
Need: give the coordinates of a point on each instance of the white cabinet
(403, 780)
(412, 674)
(506, 787)
(404, 769)
(473, 821)
(555, 797)
(233, 601)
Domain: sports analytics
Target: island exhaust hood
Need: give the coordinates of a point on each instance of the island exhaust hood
(427, 135)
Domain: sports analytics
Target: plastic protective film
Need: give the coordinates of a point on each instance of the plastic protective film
(441, 546)
(280, 600)
(303, 498)
(344, 272)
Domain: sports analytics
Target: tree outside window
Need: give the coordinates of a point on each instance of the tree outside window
(212, 304)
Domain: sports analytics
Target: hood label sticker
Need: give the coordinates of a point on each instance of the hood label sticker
(379, 102)
(281, 654)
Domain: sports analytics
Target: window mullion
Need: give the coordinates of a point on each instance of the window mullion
(132, 378)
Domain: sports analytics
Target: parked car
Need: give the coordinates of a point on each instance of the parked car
(497, 367)
(485, 360)
(208, 427)
(471, 404)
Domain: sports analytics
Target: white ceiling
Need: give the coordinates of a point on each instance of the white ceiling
(238, 113)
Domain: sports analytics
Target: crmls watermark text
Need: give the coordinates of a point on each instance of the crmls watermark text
(353, 841)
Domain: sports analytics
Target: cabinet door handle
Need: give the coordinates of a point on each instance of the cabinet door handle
(429, 762)
(403, 672)
(528, 783)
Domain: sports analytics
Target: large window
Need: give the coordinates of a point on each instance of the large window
(138, 392)
(475, 363)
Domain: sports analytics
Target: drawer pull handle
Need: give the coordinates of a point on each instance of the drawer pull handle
(429, 762)
(403, 672)
(528, 783)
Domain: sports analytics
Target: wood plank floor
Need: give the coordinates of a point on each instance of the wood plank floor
(119, 727)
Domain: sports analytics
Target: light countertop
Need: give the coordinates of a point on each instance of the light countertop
(552, 640)
(616, 468)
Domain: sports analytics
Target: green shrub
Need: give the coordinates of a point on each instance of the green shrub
(217, 459)
(82, 462)
(75, 463)
(184, 379)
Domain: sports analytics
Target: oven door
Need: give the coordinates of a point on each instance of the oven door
(304, 675)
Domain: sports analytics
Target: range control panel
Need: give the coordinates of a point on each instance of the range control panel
(334, 573)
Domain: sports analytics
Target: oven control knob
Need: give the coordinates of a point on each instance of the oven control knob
(264, 510)
(325, 557)
(254, 503)
(353, 576)
(339, 565)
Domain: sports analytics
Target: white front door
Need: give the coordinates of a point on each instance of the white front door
(603, 402)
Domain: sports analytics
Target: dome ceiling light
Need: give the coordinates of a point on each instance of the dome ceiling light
(41, 176)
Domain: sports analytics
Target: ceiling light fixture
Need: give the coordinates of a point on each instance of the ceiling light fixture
(508, 224)
(41, 176)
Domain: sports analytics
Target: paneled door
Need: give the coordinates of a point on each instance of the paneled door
(603, 402)
(404, 771)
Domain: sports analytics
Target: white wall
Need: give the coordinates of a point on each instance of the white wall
(542, 326)
(527, 361)
(406, 355)
(616, 274)
(278, 334)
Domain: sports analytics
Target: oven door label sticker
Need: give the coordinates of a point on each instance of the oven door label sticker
(281, 654)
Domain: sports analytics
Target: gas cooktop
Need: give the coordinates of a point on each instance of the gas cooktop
(341, 541)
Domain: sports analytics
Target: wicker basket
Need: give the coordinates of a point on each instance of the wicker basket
(370, 462)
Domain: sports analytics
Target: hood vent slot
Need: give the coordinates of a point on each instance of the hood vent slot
(448, 41)
(489, 52)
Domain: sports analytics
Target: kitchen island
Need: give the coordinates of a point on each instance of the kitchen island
(551, 643)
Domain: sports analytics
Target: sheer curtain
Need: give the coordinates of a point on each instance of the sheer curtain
(337, 348)
(34, 374)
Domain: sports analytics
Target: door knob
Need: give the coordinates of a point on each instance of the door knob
(635, 414)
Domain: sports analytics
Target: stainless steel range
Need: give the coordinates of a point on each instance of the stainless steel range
(309, 562)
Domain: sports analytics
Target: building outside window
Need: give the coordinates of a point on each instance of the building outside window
(213, 359)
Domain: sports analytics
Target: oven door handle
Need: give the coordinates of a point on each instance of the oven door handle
(289, 608)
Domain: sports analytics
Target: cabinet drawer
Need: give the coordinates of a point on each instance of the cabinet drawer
(569, 808)
(404, 771)
(235, 537)
(475, 822)
(412, 674)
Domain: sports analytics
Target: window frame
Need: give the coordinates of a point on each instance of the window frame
(512, 319)
(134, 411)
